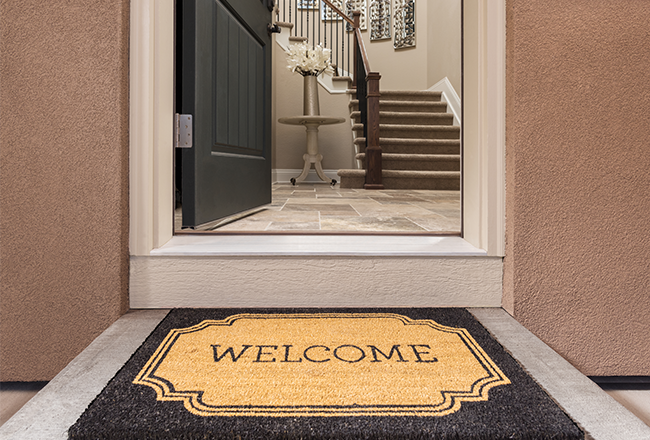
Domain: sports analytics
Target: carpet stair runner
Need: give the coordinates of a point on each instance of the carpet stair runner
(420, 145)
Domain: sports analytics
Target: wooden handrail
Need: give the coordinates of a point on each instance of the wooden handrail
(362, 48)
(338, 11)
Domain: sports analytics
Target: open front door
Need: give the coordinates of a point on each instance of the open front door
(223, 79)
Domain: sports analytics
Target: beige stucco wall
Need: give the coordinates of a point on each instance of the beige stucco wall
(64, 165)
(577, 266)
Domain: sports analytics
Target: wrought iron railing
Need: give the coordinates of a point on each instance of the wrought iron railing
(316, 21)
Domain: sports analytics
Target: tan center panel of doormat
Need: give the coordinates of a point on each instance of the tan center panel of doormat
(320, 364)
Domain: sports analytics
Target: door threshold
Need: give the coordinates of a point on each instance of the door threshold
(259, 245)
(327, 233)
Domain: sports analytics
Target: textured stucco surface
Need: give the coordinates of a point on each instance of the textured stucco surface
(64, 165)
(577, 266)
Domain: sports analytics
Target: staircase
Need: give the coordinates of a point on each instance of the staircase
(403, 139)
(420, 145)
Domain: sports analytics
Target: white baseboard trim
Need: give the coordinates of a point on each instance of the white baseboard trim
(449, 96)
(280, 175)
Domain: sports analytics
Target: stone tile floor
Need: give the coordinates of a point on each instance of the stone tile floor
(314, 207)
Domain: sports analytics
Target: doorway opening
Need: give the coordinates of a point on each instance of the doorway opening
(312, 207)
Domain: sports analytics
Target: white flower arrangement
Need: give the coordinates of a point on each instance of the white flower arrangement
(308, 60)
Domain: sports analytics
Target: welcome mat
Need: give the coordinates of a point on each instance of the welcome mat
(316, 373)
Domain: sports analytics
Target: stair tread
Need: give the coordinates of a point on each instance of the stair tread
(413, 174)
(418, 174)
(408, 114)
(415, 114)
(354, 102)
(416, 95)
(419, 127)
(414, 127)
(412, 92)
(391, 98)
(284, 24)
(351, 172)
(388, 141)
(415, 156)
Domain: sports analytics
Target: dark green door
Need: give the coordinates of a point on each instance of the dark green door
(223, 79)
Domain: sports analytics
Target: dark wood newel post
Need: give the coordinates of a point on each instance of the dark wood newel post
(373, 150)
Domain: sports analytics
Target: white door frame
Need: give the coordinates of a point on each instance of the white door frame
(151, 161)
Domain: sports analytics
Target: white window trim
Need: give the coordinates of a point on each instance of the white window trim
(151, 152)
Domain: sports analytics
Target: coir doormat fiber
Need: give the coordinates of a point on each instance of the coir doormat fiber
(326, 374)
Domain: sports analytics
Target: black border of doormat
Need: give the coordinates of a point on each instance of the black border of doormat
(520, 410)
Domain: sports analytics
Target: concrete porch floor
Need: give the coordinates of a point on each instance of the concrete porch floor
(51, 411)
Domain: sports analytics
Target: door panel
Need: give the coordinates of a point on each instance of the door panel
(224, 61)
(239, 85)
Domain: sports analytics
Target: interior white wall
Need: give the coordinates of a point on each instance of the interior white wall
(289, 141)
(402, 69)
(444, 42)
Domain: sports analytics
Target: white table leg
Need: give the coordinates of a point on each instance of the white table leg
(305, 170)
(311, 123)
(319, 169)
(312, 139)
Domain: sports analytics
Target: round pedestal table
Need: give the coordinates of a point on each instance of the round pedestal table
(312, 156)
